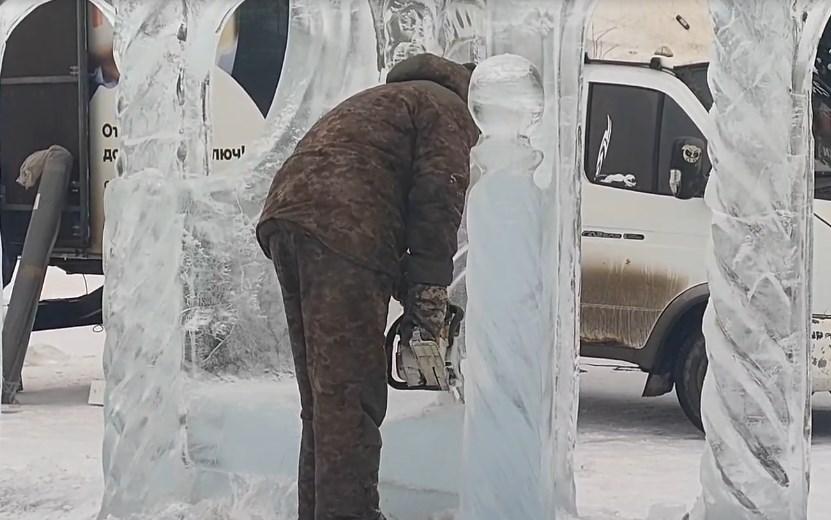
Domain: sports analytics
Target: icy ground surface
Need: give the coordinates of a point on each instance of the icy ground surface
(633, 453)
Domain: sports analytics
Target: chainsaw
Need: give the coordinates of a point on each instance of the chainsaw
(425, 364)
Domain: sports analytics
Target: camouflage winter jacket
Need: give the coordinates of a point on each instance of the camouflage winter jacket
(381, 179)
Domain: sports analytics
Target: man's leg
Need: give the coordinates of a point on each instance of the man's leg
(344, 315)
(282, 248)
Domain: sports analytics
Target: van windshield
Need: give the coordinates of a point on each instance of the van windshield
(821, 108)
(695, 78)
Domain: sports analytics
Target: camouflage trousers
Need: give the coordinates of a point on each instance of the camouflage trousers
(337, 313)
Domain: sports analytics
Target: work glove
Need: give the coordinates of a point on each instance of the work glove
(425, 308)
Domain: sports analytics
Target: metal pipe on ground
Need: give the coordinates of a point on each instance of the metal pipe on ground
(37, 249)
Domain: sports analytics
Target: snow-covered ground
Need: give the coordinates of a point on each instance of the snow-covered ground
(633, 453)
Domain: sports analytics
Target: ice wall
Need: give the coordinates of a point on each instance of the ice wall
(538, 334)
(195, 329)
(756, 395)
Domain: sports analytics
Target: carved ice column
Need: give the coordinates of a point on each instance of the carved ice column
(756, 396)
(163, 136)
(506, 335)
(563, 79)
(521, 367)
(551, 36)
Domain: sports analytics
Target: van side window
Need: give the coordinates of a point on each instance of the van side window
(822, 146)
(631, 131)
(621, 150)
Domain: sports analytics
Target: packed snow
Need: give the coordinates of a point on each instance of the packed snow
(635, 456)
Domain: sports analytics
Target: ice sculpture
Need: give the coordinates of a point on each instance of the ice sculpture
(449, 28)
(543, 339)
(195, 331)
(145, 463)
(504, 383)
(756, 395)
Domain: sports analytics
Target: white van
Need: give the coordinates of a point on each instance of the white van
(644, 282)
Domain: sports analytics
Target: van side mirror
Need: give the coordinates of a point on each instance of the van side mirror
(687, 173)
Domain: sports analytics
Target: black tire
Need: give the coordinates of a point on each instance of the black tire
(690, 368)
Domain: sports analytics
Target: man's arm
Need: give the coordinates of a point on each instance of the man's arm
(440, 177)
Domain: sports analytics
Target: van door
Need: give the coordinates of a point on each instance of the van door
(642, 247)
(43, 89)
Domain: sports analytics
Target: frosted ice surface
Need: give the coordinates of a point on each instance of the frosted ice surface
(505, 335)
(506, 100)
(756, 395)
(544, 397)
(450, 28)
(144, 455)
(196, 339)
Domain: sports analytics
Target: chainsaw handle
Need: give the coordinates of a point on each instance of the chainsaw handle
(455, 315)
(389, 347)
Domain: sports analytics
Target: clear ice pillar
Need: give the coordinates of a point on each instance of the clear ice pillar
(756, 396)
(503, 369)
(163, 136)
(551, 36)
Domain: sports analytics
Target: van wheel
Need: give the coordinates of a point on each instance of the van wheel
(690, 367)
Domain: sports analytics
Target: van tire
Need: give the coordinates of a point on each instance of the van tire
(690, 368)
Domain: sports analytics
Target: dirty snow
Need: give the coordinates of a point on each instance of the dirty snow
(634, 455)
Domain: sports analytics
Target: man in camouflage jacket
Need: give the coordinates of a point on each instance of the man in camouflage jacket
(367, 207)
